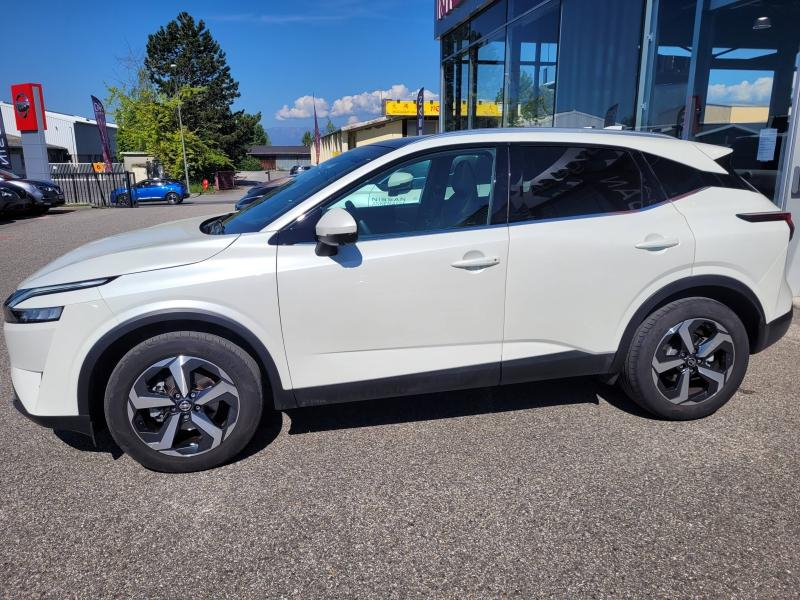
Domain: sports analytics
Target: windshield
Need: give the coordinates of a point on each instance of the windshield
(260, 214)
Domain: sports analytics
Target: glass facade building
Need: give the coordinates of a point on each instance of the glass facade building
(716, 71)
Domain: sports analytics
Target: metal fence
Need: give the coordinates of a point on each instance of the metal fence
(81, 185)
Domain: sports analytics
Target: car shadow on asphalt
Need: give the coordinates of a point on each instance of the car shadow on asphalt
(428, 407)
(268, 430)
(407, 409)
(12, 217)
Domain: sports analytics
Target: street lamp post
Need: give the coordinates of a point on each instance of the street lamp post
(173, 66)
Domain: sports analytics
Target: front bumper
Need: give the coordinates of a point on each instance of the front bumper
(78, 423)
(769, 333)
(53, 199)
(46, 358)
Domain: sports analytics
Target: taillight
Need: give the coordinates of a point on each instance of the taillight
(761, 217)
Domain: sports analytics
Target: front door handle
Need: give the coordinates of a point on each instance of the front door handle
(479, 262)
(658, 244)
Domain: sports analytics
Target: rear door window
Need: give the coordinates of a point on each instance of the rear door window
(556, 182)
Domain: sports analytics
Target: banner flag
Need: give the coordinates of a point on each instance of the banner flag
(5, 152)
(100, 117)
(420, 111)
(316, 128)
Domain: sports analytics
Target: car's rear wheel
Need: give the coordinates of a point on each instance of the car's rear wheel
(184, 401)
(123, 200)
(173, 198)
(39, 210)
(687, 359)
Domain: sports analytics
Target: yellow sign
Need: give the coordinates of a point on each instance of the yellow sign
(408, 108)
(99, 167)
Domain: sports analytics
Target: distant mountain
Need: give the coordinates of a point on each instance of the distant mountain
(286, 136)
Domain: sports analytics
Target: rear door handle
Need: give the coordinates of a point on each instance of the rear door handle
(480, 262)
(658, 244)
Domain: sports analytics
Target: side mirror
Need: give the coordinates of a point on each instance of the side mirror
(337, 227)
(400, 182)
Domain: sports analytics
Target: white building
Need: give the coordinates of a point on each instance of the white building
(77, 138)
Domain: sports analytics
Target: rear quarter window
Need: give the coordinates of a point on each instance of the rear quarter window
(679, 179)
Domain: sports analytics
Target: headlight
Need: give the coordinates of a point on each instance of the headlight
(42, 315)
(33, 315)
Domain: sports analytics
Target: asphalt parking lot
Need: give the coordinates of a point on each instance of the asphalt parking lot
(562, 489)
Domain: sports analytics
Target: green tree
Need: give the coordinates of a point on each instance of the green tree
(246, 132)
(147, 123)
(308, 139)
(260, 137)
(249, 163)
(330, 127)
(200, 63)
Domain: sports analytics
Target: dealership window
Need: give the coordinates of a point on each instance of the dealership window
(669, 76)
(598, 62)
(456, 88)
(488, 60)
(488, 21)
(455, 41)
(551, 182)
(531, 66)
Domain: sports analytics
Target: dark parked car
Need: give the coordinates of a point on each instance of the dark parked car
(12, 199)
(257, 192)
(152, 190)
(43, 195)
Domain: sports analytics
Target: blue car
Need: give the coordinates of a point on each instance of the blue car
(151, 190)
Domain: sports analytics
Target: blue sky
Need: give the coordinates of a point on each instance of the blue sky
(352, 51)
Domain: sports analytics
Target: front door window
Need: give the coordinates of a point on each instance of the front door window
(437, 192)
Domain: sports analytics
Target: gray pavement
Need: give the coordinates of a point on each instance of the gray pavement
(561, 489)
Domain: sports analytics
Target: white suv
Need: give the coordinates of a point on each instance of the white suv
(411, 266)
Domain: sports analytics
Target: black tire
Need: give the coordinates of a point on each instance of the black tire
(661, 334)
(40, 210)
(235, 363)
(123, 200)
(172, 198)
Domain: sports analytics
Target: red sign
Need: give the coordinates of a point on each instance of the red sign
(445, 7)
(25, 97)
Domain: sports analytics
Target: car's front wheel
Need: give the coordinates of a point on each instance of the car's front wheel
(687, 359)
(184, 401)
(173, 198)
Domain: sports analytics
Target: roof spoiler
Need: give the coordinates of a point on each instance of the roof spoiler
(712, 151)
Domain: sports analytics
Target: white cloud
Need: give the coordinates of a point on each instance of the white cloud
(352, 119)
(303, 108)
(365, 103)
(757, 92)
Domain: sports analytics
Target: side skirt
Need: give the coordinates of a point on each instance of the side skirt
(554, 366)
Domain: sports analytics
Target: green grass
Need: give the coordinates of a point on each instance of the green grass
(196, 188)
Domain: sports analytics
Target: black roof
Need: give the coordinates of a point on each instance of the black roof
(280, 150)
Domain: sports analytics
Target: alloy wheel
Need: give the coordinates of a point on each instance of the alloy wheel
(183, 406)
(693, 361)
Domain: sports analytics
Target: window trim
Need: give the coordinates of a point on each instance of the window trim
(501, 161)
